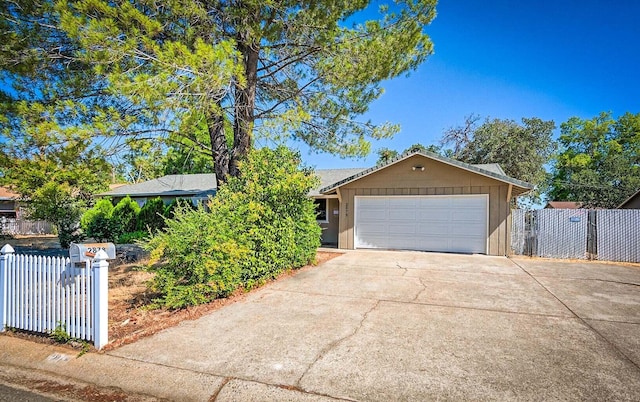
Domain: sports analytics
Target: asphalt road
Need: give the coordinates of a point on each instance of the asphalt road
(10, 394)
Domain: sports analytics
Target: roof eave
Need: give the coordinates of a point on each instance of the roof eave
(165, 194)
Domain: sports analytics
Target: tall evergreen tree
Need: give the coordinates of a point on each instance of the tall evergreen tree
(298, 69)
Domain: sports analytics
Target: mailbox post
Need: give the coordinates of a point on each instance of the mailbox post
(97, 254)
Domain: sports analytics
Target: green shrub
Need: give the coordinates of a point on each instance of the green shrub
(151, 216)
(97, 222)
(258, 225)
(169, 210)
(202, 258)
(131, 237)
(125, 215)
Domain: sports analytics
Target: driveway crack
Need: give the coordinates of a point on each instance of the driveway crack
(406, 270)
(336, 342)
(582, 320)
(424, 288)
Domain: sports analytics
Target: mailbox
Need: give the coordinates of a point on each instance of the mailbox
(80, 252)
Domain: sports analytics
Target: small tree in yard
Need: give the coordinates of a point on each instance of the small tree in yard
(258, 225)
(55, 203)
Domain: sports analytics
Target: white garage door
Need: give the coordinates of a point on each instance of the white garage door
(452, 223)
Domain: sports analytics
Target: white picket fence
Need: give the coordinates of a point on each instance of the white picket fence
(42, 294)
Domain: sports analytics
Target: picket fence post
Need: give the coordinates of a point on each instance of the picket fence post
(5, 253)
(100, 268)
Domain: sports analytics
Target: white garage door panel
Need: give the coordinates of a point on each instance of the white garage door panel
(435, 202)
(433, 229)
(467, 230)
(434, 223)
(435, 214)
(399, 202)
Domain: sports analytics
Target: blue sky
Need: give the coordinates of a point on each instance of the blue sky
(508, 60)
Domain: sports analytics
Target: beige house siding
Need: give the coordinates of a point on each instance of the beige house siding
(330, 229)
(437, 179)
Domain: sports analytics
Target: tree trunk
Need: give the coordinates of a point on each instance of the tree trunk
(245, 98)
(219, 148)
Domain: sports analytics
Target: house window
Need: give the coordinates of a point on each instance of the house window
(321, 210)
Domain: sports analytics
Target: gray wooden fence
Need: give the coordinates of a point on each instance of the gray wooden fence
(608, 235)
(13, 226)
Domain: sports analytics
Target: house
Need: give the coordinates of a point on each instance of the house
(8, 203)
(421, 201)
(563, 205)
(195, 187)
(418, 201)
(632, 202)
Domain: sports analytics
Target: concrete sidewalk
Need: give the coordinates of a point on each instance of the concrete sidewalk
(373, 325)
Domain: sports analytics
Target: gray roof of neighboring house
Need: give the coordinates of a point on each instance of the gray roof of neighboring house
(488, 170)
(172, 185)
(330, 176)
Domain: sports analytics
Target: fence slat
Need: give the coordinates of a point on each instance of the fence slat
(618, 235)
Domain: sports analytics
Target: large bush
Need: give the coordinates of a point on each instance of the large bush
(125, 214)
(169, 210)
(97, 222)
(151, 216)
(118, 224)
(257, 226)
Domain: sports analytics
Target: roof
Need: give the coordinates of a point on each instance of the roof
(330, 179)
(492, 167)
(172, 185)
(634, 195)
(489, 170)
(6, 194)
(330, 176)
(563, 205)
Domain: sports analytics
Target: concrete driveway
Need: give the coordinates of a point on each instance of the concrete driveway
(380, 326)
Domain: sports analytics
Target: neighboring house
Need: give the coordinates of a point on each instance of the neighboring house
(195, 187)
(422, 201)
(632, 202)
(563, 205)
(9, 207)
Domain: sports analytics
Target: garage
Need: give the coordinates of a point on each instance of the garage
(445, 223)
